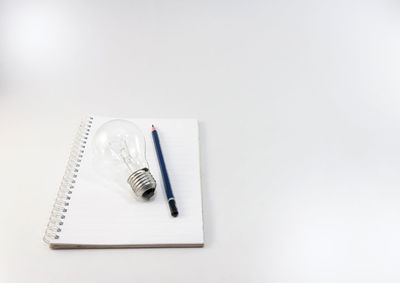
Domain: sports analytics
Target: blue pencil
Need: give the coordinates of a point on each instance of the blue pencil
(163, 168)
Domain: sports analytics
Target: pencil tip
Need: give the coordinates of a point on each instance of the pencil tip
(153, 128)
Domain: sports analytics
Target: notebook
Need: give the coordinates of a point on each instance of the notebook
(94, 210)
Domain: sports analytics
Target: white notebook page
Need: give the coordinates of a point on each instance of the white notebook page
(103, 211)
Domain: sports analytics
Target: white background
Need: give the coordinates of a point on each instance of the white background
(298, 103)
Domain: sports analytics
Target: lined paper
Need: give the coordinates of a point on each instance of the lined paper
(105, 212)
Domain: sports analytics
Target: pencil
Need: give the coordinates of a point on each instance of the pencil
(163, 169)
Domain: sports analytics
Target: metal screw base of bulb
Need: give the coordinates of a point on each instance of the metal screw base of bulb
(142, 183)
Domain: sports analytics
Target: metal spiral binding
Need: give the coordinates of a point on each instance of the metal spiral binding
(60, 207)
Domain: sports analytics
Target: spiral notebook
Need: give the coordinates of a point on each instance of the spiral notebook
(92, 210)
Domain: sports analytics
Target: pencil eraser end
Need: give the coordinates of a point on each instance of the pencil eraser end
(172, 207)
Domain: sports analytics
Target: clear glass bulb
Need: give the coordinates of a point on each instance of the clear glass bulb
(120, 145)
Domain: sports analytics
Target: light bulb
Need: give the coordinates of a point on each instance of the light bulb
(122, 147)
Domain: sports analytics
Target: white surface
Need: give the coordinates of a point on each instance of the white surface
(298, 103)
(104, 211)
